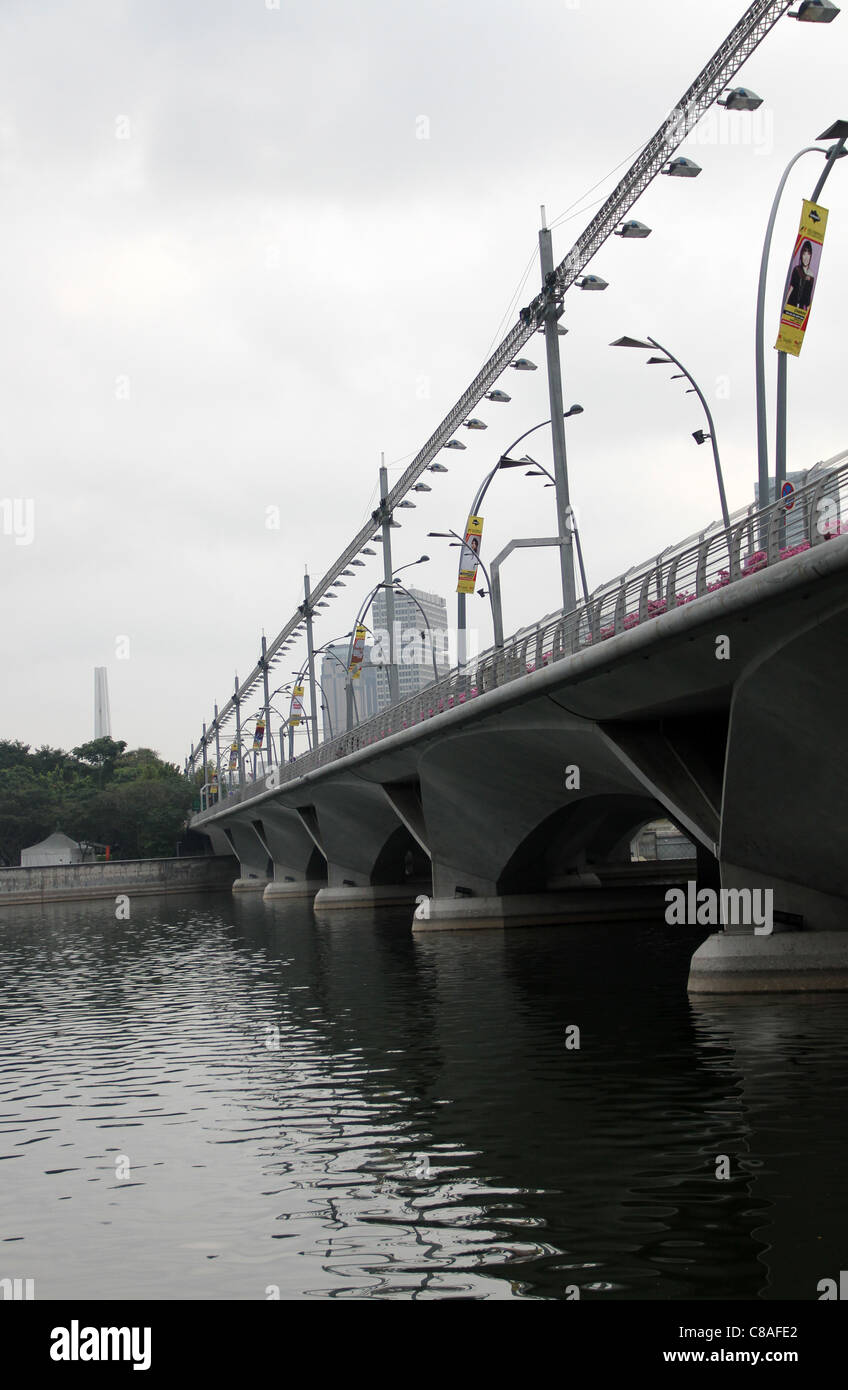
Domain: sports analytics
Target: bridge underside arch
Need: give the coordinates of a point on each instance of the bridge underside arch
(576, 838)
(401, 860)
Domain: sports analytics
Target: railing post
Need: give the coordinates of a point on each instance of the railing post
(620, 608)
(671, 583)
(701, 572)
(736, 538)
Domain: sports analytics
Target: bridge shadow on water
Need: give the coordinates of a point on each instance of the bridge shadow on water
(685, 1149)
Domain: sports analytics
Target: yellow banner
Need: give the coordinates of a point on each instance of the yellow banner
(468, 555)
(297, 710)
(357, 655)
(801, 280)
(233, 757)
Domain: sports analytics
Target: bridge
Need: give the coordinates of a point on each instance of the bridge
(706, 686)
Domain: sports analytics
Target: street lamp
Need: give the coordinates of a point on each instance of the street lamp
(838, 132)
(503, 462)
(572, 520)
(632, 229)
(682, 168)
(740, 99)
(456, 539)
(815, 11)
(667, 359)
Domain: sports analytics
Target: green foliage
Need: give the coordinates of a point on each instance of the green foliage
(100, 792)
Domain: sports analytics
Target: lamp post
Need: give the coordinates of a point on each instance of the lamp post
(264, 665)
(237, 702)
(839, 132)
(669, 359)
(476, 559)
(571, 518)
(385, 518)
(553, 313)
(503, 462)
(218, 751)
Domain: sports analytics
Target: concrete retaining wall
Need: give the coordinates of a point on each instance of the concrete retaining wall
(61, 882)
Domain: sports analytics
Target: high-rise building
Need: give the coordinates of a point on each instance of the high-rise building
(421, 629)
(102, 717)
(414, 645)
(333, 697)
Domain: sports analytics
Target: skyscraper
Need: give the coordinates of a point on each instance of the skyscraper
(421, 629)
(102, 717)
(333, 699)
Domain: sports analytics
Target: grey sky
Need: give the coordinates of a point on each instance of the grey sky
(233, 274)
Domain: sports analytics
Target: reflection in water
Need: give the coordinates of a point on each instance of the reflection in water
(221, 1097)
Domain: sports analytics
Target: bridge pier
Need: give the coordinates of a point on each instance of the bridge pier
(775, 839)
(380, 864)
(256, 866)
(741, 963)
(300, 869)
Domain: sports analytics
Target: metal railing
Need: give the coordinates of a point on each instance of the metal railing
(681, 575)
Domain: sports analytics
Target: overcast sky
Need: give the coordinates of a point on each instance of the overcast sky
(234, 273)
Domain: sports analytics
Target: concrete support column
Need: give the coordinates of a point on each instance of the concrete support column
(372, 859)
(300, 869)
(253, 856)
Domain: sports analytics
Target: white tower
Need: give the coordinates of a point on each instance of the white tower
(102, 718)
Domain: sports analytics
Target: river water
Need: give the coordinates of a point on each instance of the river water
(222, 1099)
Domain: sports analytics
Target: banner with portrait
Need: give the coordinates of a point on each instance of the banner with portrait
(357, 655)
(801, 280)
(468, 557)
(298, 713)
(233, 757)
(258, 735)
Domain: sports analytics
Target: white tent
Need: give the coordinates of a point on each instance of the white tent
(56, 849)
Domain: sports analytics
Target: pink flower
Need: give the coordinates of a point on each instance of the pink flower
(755, 562)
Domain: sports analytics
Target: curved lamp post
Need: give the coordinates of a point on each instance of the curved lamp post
(570, 517)
(461, 541)
(503, 462)
(699, 436)
(839, 131)
(401, 589)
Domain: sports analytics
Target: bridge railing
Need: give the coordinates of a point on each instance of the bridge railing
(717, 558)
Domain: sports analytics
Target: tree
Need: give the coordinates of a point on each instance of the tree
(130, 800)
(101, 754)
(28, 809)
